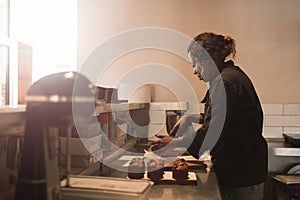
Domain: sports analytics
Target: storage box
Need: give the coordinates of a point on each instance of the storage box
(80, 162)
(108, 95)
(84, 151)
(81, 146)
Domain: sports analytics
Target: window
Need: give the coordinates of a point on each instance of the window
(4, 19)
(4, 75)
(50, 28)
(4, 52)
(37, 38)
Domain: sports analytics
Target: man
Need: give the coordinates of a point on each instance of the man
(232, 120)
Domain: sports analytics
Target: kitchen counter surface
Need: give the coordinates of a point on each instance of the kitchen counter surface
(116, 167)
(282, 155)
(207, 188)
(103, 107)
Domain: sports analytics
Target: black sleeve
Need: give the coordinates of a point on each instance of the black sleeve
(214, 118)
(197, 143)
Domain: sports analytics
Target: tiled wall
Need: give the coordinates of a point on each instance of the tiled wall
(281, 118)
(278, 119)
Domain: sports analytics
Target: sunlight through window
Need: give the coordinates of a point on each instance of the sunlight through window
(50, 27)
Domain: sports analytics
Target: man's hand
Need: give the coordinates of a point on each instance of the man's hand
(184, 123)
(161, 143)
(181, 125)
(168, 144)
(165, 139)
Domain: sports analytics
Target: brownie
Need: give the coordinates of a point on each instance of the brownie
(136, 168)
(180, 169)
(155, 168)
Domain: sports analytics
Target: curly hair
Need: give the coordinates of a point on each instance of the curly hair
(217, 46)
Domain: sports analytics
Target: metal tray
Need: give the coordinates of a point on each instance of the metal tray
(90, 187)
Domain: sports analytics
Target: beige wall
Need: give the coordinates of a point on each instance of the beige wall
(267, 35)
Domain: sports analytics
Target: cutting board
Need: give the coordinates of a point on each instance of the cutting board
(167, 179)
(288, 179)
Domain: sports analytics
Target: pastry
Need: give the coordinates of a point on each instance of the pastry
(180, 169)
(136, 168)
(155, 169)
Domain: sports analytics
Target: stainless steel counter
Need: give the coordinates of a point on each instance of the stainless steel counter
(103, 107)
(207, 188)
(281, 155)
(207, 185)
(183, 106)
(278, 147)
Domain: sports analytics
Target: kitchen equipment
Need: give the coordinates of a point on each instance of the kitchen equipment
(287, 186)
(294, 170)
(292, 138)
(108, 95)
(53, 102)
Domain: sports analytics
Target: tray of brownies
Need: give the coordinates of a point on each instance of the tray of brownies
(154, 169)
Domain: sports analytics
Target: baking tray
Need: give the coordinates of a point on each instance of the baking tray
(92, 187)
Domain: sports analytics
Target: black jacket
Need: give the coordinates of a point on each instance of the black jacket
(239, 154)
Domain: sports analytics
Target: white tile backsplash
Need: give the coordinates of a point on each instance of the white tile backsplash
(281, 118)
(272, 109)
(278, 119)
(291, 129)
(291, 120)
(272, 132)
(272, 120)
(291, 109)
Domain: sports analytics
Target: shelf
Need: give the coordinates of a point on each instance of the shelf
(278, 147)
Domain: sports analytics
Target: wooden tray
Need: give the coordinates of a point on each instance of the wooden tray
(288, 179)
(191, 164)
(167, 179)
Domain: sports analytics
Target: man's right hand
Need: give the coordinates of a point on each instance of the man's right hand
(184, 123)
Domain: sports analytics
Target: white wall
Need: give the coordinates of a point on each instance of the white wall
(267, 35)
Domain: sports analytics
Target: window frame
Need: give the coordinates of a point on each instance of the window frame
(6, 41)
(6, 70)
